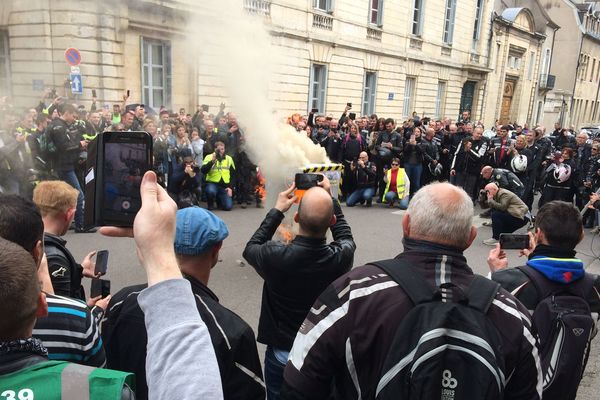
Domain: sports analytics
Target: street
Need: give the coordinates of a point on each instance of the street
(377, 233)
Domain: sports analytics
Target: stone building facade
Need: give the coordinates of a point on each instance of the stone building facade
(391, 57)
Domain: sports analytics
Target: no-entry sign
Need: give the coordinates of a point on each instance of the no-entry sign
(73, 56)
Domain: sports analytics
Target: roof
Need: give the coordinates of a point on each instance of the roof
(510, 14)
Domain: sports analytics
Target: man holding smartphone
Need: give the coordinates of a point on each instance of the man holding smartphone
(552, 267)
(296, 273)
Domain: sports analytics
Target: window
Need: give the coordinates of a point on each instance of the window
(376, 12)
(440, 99)
(477, 24)
(323, 5)
(369, 93)
(4, 64)
(449, 21)
(409, 94)
(417, 22)
(546, 63)
(318, 87)
(156, 73)
(593, 69)
(531, 65)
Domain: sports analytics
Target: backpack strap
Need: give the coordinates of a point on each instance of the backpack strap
(545, 287)
(410, 280)
(482, 292)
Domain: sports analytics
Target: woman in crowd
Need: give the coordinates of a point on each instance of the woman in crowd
(413, 159)
(397, 187)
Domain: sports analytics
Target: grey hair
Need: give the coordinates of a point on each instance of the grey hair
(439, 218)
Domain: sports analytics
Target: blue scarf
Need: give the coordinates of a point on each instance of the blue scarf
(557, 265)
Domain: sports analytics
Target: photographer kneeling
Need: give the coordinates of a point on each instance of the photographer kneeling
(217, 168)
(184, 185)
(509, 213)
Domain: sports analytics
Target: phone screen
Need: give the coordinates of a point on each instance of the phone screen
(101, 262)
(100, 287)
(127, 157)
(514, 242)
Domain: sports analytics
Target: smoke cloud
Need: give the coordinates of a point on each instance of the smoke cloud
(246, 58)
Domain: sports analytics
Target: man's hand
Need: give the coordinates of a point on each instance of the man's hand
(99, 302)
(190, 170)
(84, 144)
(452, 172)
(88, 265)
(532, 244)
(593, 198)
(325, 184)
(361, 163)
(445, 151)
(497, 259)
(153, 232)
(229, 192)
(286, 198)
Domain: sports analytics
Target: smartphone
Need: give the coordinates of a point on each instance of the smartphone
(101, 262)
(349, 105)
(306, 181)
(100, 287)
(116, 163)
(205, 107)
(93, 92)
(509, 241)
(352, 116)
(314, 110)
(52, 94)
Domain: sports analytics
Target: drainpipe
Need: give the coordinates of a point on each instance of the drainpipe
(582, 29)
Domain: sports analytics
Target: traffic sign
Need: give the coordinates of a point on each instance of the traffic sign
(76, 83)
(73, 56)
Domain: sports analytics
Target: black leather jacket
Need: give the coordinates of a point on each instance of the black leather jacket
(65, 272)
(295, 274)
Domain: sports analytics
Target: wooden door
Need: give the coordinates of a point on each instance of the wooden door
(507, 96)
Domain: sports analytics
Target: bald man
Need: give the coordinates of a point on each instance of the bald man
(296, 273)
(359, 339)
(508, 211)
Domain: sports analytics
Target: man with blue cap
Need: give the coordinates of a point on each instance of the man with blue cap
(198, 239)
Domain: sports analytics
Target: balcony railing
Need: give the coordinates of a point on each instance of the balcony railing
(547, 81)
(374, 34)
(322, 22)
(258, 7)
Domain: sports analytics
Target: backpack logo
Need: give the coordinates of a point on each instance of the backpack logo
(447, 380)
(448, 385)
(578, 331)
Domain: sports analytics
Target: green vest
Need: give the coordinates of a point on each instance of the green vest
(400, 184)
(220, 169)
(60, 380)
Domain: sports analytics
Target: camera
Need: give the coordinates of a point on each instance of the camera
(196, 169)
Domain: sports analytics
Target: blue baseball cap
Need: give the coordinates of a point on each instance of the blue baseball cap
(197, 231)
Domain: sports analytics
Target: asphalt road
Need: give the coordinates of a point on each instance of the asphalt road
(378, 235)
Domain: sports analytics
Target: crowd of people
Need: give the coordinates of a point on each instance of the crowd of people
(201, 159)
(422, 322)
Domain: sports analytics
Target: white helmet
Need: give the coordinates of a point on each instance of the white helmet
(519, 163)
(562, 173)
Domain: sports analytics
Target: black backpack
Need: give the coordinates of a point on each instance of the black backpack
(443, 350)
(565, 328)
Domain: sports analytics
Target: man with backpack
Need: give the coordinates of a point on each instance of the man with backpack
(564, 300)
(420, 326)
